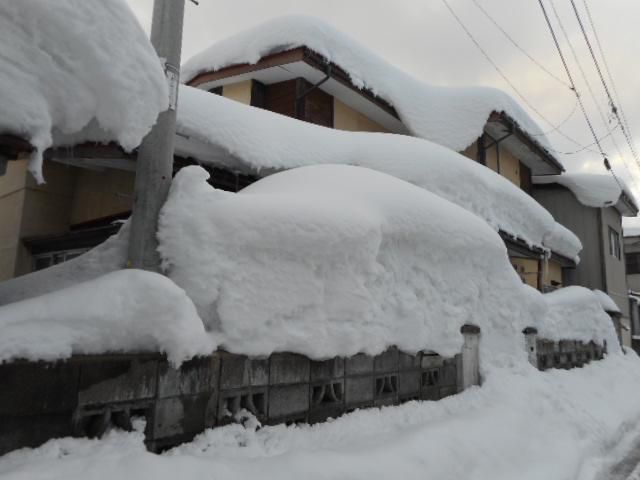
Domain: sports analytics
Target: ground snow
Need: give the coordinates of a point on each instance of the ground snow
(580, 311)
(591, 190)
(77, 64)
(124, 311)
(222, 132)
(450, 116)
(523, 424)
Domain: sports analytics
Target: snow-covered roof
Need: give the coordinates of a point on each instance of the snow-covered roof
(451, 116)
(222, 132)
(594, 190)
(82, 67)
(606, 302)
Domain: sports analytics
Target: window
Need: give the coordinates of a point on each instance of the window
(633, 262)
(44, 260)
(614, 243)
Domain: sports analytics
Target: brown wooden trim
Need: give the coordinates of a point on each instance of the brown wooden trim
(274, 60)
(11, 146)
(89, 150)
(525, 138)
(300, 54)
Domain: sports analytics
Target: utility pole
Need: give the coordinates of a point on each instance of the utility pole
(154, 166)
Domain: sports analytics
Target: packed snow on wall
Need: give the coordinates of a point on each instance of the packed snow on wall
(450, 116)
(73, 65)
(591, 190)
(222, 132)
(123, 311)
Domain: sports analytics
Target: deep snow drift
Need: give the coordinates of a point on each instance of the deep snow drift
(80, 63)
(219, 131)
(333, 260)
(124, 311)
(449, 116)
(521, 424)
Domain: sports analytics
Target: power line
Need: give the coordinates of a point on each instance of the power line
(612, 104)
(584, 111)
(506, 79)
(590, 89)
(608, 71)
(515, 44)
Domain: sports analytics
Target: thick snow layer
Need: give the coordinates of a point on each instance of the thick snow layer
(578, 310)
(606, 302)
(106, 257)
(219, 131)
(334, 259)
(453, 117)
(563, 241)
(521, 424)
(592, 190)
(124, 311)
(69, 64)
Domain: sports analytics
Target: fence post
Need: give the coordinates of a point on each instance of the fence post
(531, 344)
(470, 370)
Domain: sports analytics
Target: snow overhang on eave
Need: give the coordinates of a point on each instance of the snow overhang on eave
(529, 151)
(626, 206)
(519, 248)
(302, 62)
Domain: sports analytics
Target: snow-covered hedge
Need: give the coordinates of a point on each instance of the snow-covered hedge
(76, 67)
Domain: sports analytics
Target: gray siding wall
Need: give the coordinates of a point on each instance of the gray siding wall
(583, 221)
(631, 245)
(616, 275)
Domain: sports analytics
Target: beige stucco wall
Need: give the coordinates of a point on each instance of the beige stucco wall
(498, 159)
(240, 92)
(527, 268)
(12, 191)
(100, 194)
(471, 151)
(553, 274)
(346, 118)
(509, 166)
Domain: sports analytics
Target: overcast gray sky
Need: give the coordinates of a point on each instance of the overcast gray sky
(423, 38)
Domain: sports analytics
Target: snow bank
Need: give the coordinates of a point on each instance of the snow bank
(579, 312)
(606, 302)
(73, 64)
(453, 117)
(334, 260)
(105, 258)
(591, 190)
(124, 311)
(560, 425)
(219, 131)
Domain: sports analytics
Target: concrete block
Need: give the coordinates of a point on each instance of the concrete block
(199, 375)
(288, 400)
(117, 381)
(448, 375)
(447, 391)
(239, 371)
(327, 393)
(328, 369)
(358, 391)
(407, 361)
(430, 393)
(318, 415)
(252, 399)
(33, 430)
(287, 368)
(409, 382)
(429, 361)
(359, 364)
(387, 361)
(38, 388)
(178, 416)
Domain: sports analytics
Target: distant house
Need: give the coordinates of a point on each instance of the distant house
(632, 262)
(592, 206)
(303, 84)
